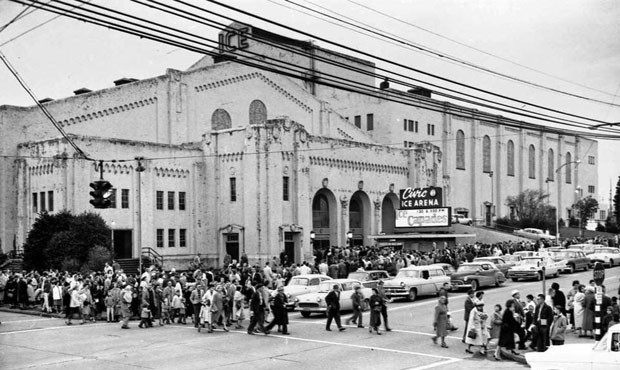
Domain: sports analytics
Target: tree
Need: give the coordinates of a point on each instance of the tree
(585, 207)
(65, 241)
(532, 209)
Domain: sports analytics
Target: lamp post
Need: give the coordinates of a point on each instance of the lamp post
(350, 238)
(557, 208)
(312, 236)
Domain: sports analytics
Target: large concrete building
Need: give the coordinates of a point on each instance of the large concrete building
(236, 159)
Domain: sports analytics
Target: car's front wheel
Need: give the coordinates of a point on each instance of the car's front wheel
(539, 276)
(571, 267)
(474, 285)
(305, 314)
(515, 279)
(413, 294)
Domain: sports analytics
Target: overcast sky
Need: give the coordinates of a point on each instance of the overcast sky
(567, 45)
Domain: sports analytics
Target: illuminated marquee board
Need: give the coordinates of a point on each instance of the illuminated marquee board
(417, 198)
(429, 217)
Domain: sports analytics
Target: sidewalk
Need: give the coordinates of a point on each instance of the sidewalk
(30, 311)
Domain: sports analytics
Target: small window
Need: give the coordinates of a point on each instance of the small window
(50, 201)
(285, 188)
(35, 202)
(113, 199)
(183, 238)
(358, 121)
(171, 238)
(181, 201)
(171, 200)
(532, 162)
(591, 189)
(460, 150)
(42, 201)
(160, 238)
(415, 128)
(404, 124)
(125, 198)
(591, 159)
(233, 189)
(370, 122)
(410, 125)
(159, 199)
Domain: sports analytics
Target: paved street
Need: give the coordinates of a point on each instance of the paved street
(34, 342)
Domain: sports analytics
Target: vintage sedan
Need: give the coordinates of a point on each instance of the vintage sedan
(534, 234)
(369, 278)
(501, 263)
(461, 219)
(301, 284)
(587, 248)
(412, 281)
(608, 256)
(315, 302)
(477, 274)
(535, 268)
(602, 355)
(448, 268)
(571, 259)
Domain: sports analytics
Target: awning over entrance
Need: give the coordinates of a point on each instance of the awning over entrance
(421, 242)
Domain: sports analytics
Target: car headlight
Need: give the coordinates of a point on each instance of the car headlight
(296, 300)
(318, 299)
(402, 284)
(465, 279)
(288, 295)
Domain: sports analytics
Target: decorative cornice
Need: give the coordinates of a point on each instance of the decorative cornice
(358, 165)
(170, 172)
(107, 112)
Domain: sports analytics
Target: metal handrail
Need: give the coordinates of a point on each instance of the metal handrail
(153, 254)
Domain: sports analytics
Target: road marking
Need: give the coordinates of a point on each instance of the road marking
(74, 326)
(19, 321)
(434, 364)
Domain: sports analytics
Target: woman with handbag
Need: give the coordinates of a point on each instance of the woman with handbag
(477, 332)
(376, 304)
(440, 322)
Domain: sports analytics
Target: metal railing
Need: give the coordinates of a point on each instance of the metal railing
(153, 255)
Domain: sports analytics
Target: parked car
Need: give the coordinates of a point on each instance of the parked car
(315, 302)
(515, 259)
(570, 259)
(587, 248)
(602, 355)
(412, 281)
(301, 284)
(532, 268)
(477, 274)
(460, 219)
(608, 256)
(448, 268)
(369, 278)
(534, 234)
(500, 262)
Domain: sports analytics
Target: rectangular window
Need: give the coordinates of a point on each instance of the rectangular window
(430, 129)
(591, 189)
(285, 187)
(410, 125)
(404, 124)
(233, 189)
(181, 201)
(358, 121)
(182, 238)
(50, 201)
(171, 238)
(113, 199)
(35, 202)
(171, 200)
(415, 128)
(125, 198)
(603, 215)
(591, 159)
(370, 122)
(406, 144)
(160, 238)
(159, 199)
(42, 201)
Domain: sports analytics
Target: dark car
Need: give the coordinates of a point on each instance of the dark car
(573, 259)
(502, 264)
(477, 274)
(369, 278)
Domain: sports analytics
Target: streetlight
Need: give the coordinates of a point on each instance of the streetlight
(557, 208)
(350, 238)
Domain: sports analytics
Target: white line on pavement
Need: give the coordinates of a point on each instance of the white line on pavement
(435, 364)
(20, 321)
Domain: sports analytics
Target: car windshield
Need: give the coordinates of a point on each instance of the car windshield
(604, 250)
(512, 258)
(358, 276)
(408, 274)
(532, 261)
(299, 281)
(468, 268)
(563, 255)
(326, 286)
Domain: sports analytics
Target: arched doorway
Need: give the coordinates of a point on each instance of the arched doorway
(359, 218)
(388, 213)
(324, 223)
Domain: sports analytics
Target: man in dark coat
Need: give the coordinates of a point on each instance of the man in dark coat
(543, 318)
(469, 305)
(520, 317)
(257, 310)
(559, 299)
(280, 315)
(332, 299)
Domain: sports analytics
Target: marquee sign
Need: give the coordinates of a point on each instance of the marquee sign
(420, 198)
(429, 217)
(232, 39)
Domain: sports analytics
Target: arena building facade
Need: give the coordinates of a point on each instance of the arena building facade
(226, 158)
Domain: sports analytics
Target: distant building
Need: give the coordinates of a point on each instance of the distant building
(244, 161)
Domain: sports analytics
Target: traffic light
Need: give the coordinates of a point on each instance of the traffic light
(102, 194)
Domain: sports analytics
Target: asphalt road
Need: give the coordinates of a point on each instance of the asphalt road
(33, 342)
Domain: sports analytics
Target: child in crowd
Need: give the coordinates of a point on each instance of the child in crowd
(164, 318)
(238, 307)
(182, 312)
(607, 318)
(109, 306)
(177, 304)
(145, 316)
(56, 296)
(496, 321)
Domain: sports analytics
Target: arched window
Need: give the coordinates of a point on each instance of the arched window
(258, 112)
(551, 166)
(320, 212)
(220, 120)
(486, 154)
(510, 158)
(460, 150)
(532, 162)
(569, 173)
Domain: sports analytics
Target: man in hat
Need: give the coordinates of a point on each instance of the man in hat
(519, 317)
(280, 315)
(469, 305)
(386, 300)
(357, 299)
(257, 310)
(332, 299)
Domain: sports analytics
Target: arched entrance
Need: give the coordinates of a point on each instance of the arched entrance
(388, 213)
(359, 217)
(324, 222)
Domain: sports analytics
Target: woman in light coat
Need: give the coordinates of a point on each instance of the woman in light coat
(478, 323)
(440, 322)
(578, 307)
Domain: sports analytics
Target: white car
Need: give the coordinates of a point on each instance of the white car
(607, 256)
(603, 355)
(412, 281)
(460, 219)
(315, 302)
(535, 234)
(301, 284)
(533, 267)
(587, 248)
